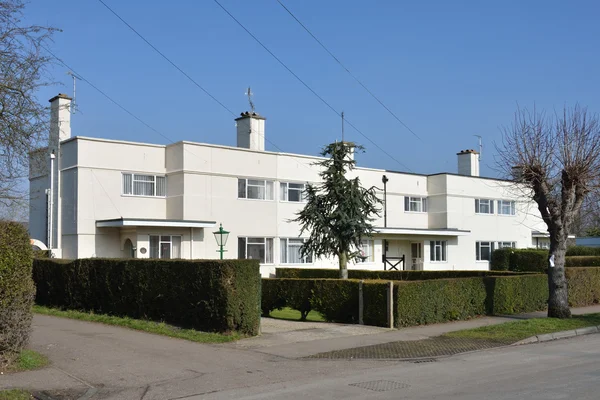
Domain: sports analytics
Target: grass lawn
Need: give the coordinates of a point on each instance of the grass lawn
(15, 395)
(26, 361)
(159, 328)
(291, 314)
(515, 331)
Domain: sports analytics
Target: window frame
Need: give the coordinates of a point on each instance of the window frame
(490, 205)
(478, 246)
(266, 247)
(308, 260)
(443, 246)
(421, 201)
(265, 185)
(501, 245)
(161, 241)
(370, 244)
(512, 205)
(284, 192)
(154, 182)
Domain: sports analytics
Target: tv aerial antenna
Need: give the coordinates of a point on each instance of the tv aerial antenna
(250, 94)
(74, 102)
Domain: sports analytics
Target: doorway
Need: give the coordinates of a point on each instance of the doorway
(416, 256)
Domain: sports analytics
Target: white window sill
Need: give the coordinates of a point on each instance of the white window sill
(415, 212)
(438, 262)
(144, 197)
(241, 198)
(507, 215)
(489, 214)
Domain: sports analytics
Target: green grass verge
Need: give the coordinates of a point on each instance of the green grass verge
(291, 314)
(515, 331)
(15, 394)
(28, 360)
(159, 328)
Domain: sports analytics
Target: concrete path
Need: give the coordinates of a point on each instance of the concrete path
(109, 362)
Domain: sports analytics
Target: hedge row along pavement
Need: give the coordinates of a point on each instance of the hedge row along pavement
(313, 273)
(206, 295)
(427, 301)
(335, 299)
(16, 290)
(583, 251)
(533, 260)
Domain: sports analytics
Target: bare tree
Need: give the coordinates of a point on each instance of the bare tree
(556, 159)
(23, 120)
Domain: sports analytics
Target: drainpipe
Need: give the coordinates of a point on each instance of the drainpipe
(191, 243)
(51, 203)
(384, 180)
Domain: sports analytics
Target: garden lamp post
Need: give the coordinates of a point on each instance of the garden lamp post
(221, 237)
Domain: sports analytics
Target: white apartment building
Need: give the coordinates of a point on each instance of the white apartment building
(93, 197)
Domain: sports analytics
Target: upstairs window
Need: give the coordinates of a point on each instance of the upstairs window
(144, 185)
(506, 207)
(484, 206)
(415, 204)
(292, 191)
(290, 252)
(255, 189)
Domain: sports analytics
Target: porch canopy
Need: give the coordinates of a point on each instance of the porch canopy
(395, 232)
(169, 223)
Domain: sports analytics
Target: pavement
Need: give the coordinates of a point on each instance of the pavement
(95, 361)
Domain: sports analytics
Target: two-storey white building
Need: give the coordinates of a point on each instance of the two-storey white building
(106, 198)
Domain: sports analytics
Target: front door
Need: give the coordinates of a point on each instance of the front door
(416, 256)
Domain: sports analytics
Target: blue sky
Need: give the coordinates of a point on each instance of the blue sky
(449, 70)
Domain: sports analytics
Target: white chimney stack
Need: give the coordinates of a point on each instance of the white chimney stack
(468, 162)
(251, 131)
(60, 120)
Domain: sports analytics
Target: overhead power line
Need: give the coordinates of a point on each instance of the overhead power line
(308, 86)
(348, 71)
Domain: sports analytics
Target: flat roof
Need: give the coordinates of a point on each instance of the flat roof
(421, 231)
(170, 223)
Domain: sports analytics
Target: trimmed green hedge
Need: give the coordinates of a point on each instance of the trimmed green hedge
(208, 295)
(528, 260)
(582, 261)
(501, 259)
(16, 290)
(433, 301)
(583, 251)
(313, 273)
(584, 286)
(335, 299)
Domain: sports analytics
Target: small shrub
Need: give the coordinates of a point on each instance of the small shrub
(501, 259)
(207, 295)
(16, 290)
(583, 251)
(582, 261)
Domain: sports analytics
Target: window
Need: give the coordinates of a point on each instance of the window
(506, 207)
(483, 251)
(165, 246)
(144, 185)
(484, 206)
(253, 248)
(437, 250)
(366, 252)
(415, 204)
(255, 189)
(510, 245)
(290, 252)
(292, 191)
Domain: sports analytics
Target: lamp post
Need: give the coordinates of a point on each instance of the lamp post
(221, 237)
(384, 180)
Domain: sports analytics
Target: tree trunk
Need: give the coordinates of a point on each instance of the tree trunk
(558, 302)
(343, 257)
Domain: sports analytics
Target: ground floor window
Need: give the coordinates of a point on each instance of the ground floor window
(165, 246)
(366, 252)
(438, 250)
(510, 245)
(254, 248)
(483, 250)
(289, 252)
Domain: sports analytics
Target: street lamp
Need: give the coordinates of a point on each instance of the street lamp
(221, 237)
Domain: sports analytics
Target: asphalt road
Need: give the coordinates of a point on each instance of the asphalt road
(564, 369)
(94, 362)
